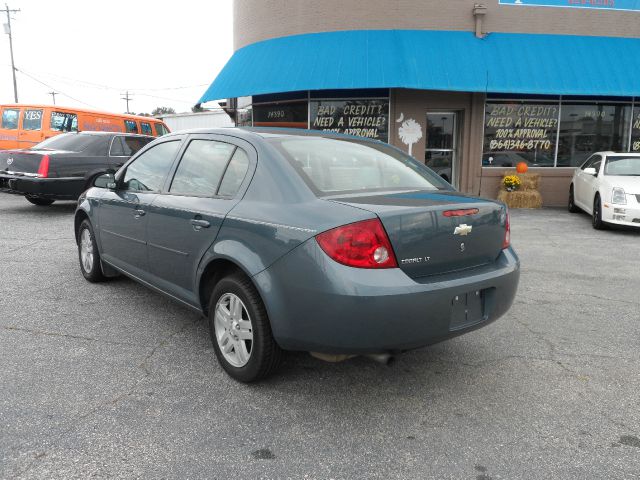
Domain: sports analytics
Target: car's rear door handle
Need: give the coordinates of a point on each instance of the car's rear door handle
(139, 213)
(200, 223)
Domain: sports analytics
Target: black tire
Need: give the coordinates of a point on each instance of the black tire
(39, 201)
(90, 268)
(572, 206)
(265, 355)
(596, 219)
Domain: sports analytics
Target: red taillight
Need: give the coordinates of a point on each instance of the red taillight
(43, 169)
(363, 245)
(460, 213)
(507, 232)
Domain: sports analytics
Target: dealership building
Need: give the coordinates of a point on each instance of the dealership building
(470, 88)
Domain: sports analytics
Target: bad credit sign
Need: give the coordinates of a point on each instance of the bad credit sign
(632, 5)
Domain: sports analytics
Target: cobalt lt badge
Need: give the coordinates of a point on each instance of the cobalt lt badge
(463, 230)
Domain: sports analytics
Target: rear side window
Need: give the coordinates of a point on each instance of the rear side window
(32, 120)
(161, 129)
(201, 168)
(127, 146)
(131, 145)
(64, 122)
(236, 171)
(146, 128)
(148, 171)
(10, 119)
(130, 126)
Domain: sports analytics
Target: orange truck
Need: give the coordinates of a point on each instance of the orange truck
(22, 126)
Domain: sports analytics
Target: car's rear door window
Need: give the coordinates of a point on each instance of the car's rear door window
(131, 126)
(32, 119)
(201, 168)
(148, 172)
(146, 128)
(235, 173)
(10, 118)
(116, 149)
(131, 145)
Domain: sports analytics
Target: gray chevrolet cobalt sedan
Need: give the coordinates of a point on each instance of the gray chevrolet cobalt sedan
(294, 240)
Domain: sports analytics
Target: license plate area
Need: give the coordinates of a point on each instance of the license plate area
(467, 309)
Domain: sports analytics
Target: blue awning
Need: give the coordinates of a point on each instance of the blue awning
(433, 60)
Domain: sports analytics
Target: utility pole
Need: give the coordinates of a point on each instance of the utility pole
(126, 98)
(53, 94)
(7, 30)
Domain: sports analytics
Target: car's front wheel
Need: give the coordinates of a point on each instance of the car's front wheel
(596, 220)
(88, 253)
(240, 330)
(39, 201)
(572, 205)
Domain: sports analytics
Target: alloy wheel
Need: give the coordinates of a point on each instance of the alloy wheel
(233, 330)
(86, 250)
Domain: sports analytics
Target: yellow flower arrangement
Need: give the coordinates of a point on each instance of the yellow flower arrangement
(511, 183)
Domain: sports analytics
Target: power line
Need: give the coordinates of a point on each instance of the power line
(110, 87)
(53, 94)
(7, 30)
(49, 86)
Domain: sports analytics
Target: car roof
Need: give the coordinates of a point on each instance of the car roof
(92, 132)
(269, 132)
(611, 153)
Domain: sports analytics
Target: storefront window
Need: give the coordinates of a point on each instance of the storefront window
(635, 130)
(589, 128)
(281, 114)
(367, 118)
(527, 131)
(520, 132)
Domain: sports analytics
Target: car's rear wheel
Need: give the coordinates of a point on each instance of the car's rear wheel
(572, 205)
(596, 220)
(39, 201)
(240, 330)
(88, 253)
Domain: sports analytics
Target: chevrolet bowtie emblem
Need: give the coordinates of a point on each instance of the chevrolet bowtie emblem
(463, 230)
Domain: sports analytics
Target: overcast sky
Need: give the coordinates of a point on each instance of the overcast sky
(165, 54)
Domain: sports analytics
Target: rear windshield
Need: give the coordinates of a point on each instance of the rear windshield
(70, 142)
(330, 166)
(627, 166)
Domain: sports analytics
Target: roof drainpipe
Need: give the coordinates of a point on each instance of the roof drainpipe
(479, 11)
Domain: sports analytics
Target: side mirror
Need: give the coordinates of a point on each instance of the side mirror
(590, 171)
(105, 180)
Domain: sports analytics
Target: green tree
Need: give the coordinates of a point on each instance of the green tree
(162, 111)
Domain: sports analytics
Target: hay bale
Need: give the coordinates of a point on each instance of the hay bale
(521, 198)
(529, 181)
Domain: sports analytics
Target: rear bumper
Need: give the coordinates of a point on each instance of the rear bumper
(316, 304)
(67, 188)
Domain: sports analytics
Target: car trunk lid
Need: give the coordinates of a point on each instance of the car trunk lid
(436, 232)
(21, 162)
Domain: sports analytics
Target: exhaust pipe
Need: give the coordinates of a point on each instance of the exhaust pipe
(382, 358)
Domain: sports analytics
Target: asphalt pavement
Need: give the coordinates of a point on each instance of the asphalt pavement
(114, 381)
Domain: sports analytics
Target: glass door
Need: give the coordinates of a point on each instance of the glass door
(442, 144)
